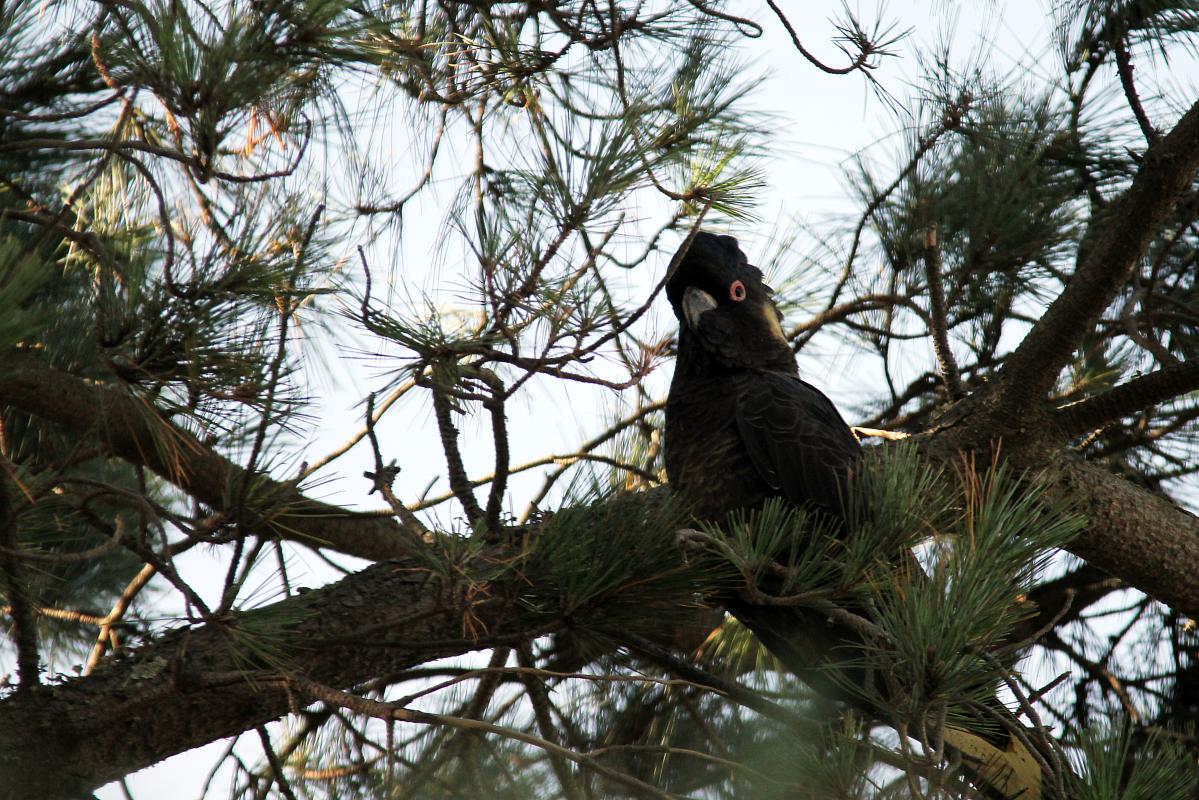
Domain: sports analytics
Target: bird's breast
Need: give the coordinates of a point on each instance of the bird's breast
(706, 460)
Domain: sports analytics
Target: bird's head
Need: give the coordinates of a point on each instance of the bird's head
(727, 319)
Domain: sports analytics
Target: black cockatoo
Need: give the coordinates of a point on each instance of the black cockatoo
(740, 424)
(742, 427)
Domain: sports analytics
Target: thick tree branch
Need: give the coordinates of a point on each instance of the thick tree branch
(192, 687)
(196, 686)
(1133, 534)
(1127, 227)
(133, 430)
(939, 317)
(1127, 398)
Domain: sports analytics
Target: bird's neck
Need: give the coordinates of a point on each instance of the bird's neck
(697, 361)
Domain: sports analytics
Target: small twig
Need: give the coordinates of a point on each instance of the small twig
(346, 446)
(385, 476)
(861, 61)
(1124, 68)
(1036, 635)
(118, 610)
(939, 316)
(1036, 696)
(1026, 706)
(878, 433)
(272, 758)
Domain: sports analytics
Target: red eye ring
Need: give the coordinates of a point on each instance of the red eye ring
(736, 291)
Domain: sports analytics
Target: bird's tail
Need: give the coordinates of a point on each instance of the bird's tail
(826, 656)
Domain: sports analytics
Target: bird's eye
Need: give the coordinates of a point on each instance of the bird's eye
(737, 291)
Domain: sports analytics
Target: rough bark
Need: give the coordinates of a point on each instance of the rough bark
(196, 686)
(1128, 398)
(1124, 233)
(1136, 535)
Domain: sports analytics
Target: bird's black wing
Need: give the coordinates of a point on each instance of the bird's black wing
(795, 439)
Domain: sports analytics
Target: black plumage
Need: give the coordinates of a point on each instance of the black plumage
(742, 427)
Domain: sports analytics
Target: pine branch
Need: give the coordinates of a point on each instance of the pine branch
(1128, 398)
(1128, 225)
(866, 49)
(1124, 68)
(939, 317)
(453, 457)
(198, 685)
(132, 430)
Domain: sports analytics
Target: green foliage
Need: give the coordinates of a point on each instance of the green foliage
(984, 535)
(263, 639)
(980, 564)
(22, 276)
(1116, 762)
(626, 573)
(216, 70)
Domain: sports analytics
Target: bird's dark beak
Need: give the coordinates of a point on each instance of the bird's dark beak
(696, 302)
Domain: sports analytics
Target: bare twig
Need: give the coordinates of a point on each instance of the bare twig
(1124, 68)
(866, 49)
(104, 639)
(272, 758)
(383, 476)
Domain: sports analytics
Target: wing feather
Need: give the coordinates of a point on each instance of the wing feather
(795, 438)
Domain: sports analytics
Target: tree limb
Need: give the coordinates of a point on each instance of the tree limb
(1127, 398)
(197, 685)
(131, 429)
(1127, 227)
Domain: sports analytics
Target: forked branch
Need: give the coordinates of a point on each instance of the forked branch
(1125, 231)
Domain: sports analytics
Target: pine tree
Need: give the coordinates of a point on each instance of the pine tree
(202, 214)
